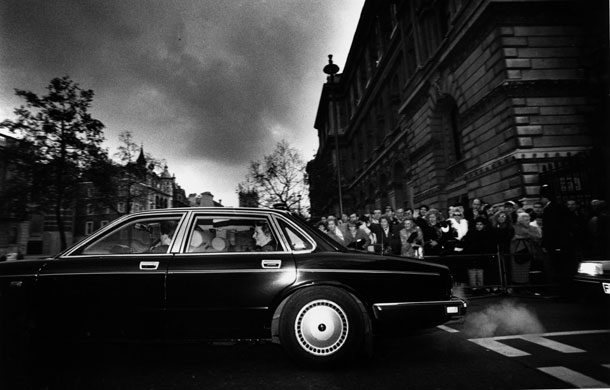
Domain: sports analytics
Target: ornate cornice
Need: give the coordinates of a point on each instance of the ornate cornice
(525, 89)
(539, 154)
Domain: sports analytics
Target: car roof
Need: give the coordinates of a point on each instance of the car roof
(232, 210)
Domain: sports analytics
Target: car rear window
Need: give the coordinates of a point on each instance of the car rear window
(296, 239)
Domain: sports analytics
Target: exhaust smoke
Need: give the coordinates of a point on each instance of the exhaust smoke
(504, 318)
(458, 291)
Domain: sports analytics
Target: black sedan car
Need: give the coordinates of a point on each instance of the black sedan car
(228, 273)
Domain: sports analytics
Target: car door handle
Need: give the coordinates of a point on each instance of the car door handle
(271, 263)
(149, 265)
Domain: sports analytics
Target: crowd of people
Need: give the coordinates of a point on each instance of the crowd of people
(548, 236)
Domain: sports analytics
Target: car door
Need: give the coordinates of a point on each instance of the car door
(112, 285)
(222, 285)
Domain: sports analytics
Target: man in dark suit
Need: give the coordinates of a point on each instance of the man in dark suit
(558, 240)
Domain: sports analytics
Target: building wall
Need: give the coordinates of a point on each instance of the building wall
(152, 192)
(13, 227)
(505, 92)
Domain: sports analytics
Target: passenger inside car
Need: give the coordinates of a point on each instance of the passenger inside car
(264, 238)
(225, 234)
(200, 241)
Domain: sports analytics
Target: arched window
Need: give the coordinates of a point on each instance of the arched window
(398, 175)
(447, 136)
(369, 140)
(452, 130)
(446, 121)
(383, 190)
(394, 102)
(360, 152)
(379, 121)
(371, 191)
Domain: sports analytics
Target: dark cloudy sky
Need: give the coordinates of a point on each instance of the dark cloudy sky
(207, 85)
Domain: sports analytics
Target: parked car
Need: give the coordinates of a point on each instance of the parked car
(229, 273)
(593, 277)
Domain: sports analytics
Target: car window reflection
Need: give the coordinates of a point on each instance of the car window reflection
(139, 236)
(296, 240)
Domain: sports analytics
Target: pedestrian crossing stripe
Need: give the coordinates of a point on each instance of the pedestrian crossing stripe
(574, 378)
(564, 374)
(494, 343)
(548, 343)
(496, 346)
(551, 334)
(448, 329)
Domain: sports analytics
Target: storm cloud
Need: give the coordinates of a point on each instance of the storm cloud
(208, 83)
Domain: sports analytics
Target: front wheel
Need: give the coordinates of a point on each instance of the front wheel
(321, 325)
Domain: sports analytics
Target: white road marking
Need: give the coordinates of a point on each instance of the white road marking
(551, 334)
(498, 347)
(574, 378)
(574, 332)
(448, 329)
(606, 365)
(543, 341)
(494, 344)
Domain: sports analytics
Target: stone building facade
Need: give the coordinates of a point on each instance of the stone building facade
(205, 199)
(35, 233)
(146, 190)
(247, 198)
(445, 101)
(13, 227)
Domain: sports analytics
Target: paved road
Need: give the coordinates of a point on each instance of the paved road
(502, 344)
(567, 340)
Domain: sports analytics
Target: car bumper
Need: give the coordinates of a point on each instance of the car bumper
(425, 313)
(592, 284)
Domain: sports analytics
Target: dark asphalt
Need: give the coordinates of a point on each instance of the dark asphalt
(431, 359)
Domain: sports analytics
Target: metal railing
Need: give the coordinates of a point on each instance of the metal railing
(497, 273)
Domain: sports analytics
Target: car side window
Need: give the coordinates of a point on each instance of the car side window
(296, 239)
(146, 235)
(231, 234)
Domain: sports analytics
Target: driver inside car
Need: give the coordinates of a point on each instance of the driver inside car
(165, 239)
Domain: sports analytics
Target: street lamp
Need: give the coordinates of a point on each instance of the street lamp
(331, 70)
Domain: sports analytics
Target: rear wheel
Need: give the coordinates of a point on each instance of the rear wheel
(321, 325)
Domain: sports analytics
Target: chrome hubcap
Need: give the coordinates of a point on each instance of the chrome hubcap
(321, 327)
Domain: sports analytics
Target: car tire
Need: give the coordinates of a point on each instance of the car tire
(322, 326)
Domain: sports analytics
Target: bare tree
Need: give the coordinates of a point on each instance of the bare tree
(278, 179)
(128, 149)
